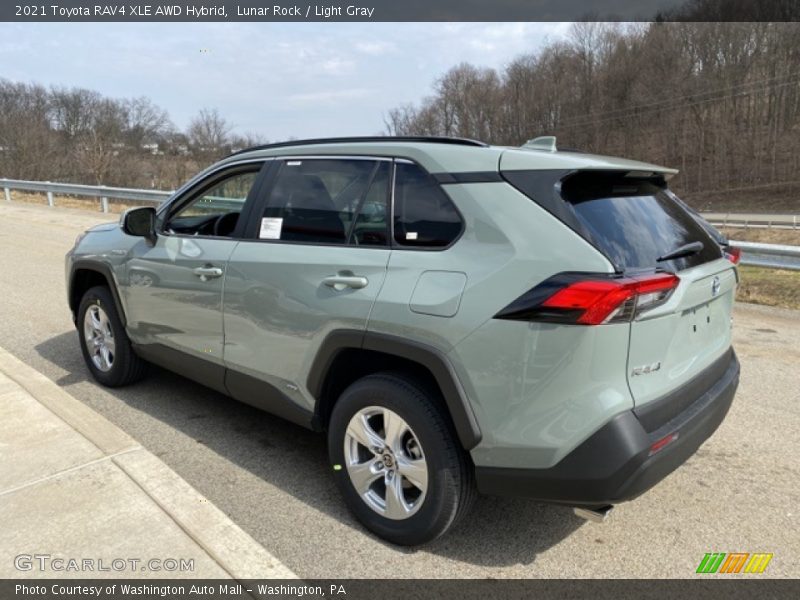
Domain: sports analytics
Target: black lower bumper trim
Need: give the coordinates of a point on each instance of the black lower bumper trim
(615, 464)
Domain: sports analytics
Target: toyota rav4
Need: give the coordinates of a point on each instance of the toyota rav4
(457, 318)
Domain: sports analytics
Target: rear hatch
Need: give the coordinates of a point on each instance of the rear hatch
(637, 223)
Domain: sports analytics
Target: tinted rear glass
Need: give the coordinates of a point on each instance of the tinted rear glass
(633, 221)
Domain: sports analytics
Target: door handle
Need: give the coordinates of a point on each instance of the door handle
(343, 281)
(207, 272)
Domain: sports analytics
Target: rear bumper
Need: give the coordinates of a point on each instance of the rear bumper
(615, 464)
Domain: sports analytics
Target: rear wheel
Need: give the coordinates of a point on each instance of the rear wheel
(104, 343)
(397, 461)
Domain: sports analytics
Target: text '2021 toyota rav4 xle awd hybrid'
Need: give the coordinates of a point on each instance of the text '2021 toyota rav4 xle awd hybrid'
(457, 317)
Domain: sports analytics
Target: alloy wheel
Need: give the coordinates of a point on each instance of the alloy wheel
(99, 338)
(386, 462)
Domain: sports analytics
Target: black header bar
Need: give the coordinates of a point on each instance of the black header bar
(708, 587)
(397, 10)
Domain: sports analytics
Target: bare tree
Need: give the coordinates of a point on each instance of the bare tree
(101, 146)
(399, 120)
(719, 100)
(147, 123)
(26, 140)
(209, 133)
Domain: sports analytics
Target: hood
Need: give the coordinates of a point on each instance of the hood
(103, 227)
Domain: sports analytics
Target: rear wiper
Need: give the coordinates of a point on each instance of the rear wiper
(681, 251)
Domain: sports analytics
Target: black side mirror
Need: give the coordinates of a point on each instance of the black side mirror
(140, 222)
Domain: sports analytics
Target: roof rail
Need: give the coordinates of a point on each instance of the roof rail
(457, 141)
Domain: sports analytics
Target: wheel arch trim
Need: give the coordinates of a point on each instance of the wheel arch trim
(101, 269)
(453, 392)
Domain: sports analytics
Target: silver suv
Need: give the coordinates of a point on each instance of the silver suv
(457, 317)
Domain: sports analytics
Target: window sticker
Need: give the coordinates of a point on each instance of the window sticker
(294, 163)
(411, 235)
(270, 228)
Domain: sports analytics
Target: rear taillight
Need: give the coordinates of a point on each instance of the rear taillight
(591, 299)
(733, 254)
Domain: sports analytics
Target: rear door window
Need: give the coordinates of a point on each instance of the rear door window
(371, 225)
(328, 201)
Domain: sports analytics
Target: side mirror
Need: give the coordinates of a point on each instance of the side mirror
(140, 221)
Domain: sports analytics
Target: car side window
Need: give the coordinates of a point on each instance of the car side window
(216, 208)
(423, 214)
(328, 201)
(371, 225)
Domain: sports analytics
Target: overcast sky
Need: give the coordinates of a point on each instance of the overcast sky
(278, 80)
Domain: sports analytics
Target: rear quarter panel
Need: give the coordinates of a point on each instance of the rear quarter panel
(537, 390)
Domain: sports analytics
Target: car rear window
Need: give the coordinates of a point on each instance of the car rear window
(632, 220)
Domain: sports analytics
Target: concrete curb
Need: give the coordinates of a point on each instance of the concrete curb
(224, 541)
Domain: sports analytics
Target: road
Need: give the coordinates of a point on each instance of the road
(740, 493)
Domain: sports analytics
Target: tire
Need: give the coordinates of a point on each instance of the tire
(420, 516)
(99, 327)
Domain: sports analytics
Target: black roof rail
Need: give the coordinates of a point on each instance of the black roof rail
(456, 141)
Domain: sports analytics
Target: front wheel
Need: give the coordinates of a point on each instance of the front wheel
(104, 343)
(397, 461)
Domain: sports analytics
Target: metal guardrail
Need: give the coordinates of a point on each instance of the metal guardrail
(753, 220)
(71, 189)
(778, 256)
(773, 256)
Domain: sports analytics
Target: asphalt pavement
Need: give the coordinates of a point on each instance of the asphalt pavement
(740, 493)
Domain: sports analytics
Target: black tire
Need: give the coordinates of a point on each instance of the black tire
(126, 367)
(450, 491)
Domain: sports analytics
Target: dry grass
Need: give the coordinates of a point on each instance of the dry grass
(81, 202)
(772, 287)
(759, 285)
(766, 236)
